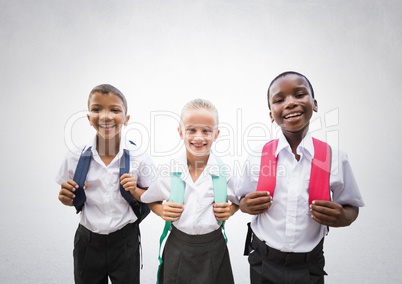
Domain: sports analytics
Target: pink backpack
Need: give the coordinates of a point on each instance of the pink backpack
(319, 176)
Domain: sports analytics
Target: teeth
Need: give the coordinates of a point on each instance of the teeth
(198, 145)
(106, 126)
(293, 115)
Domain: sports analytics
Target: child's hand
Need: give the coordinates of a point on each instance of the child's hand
(171, 211)
(224, 210)
(129, 183)
(66, 194)
(332, 214)
(256, 202)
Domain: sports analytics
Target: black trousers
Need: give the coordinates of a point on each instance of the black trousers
(99, 257)
(271, 266)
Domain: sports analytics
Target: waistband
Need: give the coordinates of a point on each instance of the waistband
(197, 239)
(287, 257)
(127, 230)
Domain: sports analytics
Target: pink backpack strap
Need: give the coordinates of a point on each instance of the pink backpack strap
(320, 172)
(267, 178)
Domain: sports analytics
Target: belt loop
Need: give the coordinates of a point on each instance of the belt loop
(248, 241)
(266, 248)
(140, 248)
(307, 258)
(123, 231)
(85, 232)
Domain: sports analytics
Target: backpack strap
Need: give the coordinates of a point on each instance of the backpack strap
(319, 188)
(79, 177)
(267, 178)
(177, 189)
(141, 210)
(219, 183)
(124, 169)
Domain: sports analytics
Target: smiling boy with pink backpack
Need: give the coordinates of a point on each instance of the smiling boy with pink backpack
(296, 187)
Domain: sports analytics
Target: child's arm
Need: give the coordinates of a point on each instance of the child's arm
(224, 210)
(168, 211)
(256, 202)
(332, 214)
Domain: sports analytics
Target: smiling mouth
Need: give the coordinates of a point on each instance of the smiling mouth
(198, 144)
(296, 114)
(107, 126)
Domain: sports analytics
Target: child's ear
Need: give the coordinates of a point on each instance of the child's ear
(127, 119)
(315, 108)
(217, 134)
(180, 131)
(272, 118)
(89, 119)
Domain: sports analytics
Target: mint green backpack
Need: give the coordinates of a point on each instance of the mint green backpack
(177, 196)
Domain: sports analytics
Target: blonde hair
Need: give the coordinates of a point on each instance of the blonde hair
(199, 104)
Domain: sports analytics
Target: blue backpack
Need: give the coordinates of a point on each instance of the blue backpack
(140, 209)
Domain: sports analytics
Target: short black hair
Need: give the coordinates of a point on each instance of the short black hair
(283, 74)
(105, 89)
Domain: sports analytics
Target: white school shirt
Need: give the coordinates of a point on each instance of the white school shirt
(287, 224)
(105, 210)
(198, 215)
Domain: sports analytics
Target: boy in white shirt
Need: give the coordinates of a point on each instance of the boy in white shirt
(106, 243)
(287, 231)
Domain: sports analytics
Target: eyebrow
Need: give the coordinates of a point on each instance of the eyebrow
(197, 126)
(100, 105)
(299, 88)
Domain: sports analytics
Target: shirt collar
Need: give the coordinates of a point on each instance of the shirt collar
(306, 145)
(180, 165)
(126, 145)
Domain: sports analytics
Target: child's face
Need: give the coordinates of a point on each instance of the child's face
(292, 104)
(107, 115)
(198, 130)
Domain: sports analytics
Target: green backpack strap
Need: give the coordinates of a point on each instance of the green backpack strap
(219, 183)
(177, 196)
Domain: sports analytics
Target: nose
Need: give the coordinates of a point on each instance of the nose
(198, 136)
(291, 102)
(106, 115)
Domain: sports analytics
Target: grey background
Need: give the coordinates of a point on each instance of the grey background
(162, 54)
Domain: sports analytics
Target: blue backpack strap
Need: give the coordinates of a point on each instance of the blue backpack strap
(140, 209)
(177, 196)
(125, 168)
(79, 177)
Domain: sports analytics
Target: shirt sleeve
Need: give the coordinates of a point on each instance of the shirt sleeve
(231, 186)
(67, 168)
(146, 172)
(344, 187)
(247, 176)
(157, 191)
